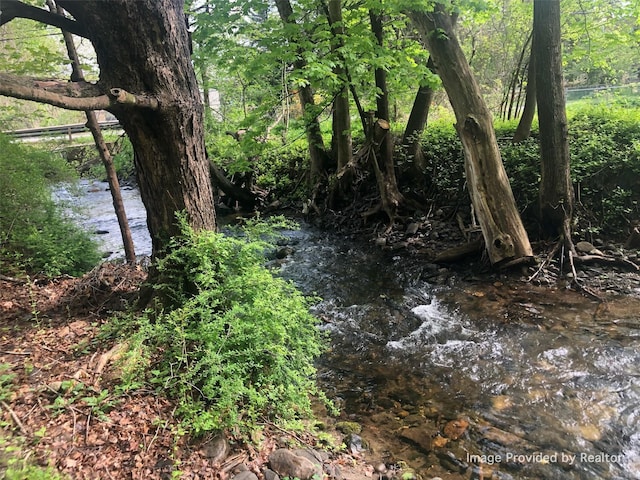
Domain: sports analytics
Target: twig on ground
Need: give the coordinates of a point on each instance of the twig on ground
(86, 428)
(546, 261)
(15, 418)
(271, 424)
(232, 462)
(73, 432)
(12, 280)
(108, 474)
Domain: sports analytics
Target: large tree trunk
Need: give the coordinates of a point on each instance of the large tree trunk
(317, 150)
(143, 46)
(491, 195)
(556, 190)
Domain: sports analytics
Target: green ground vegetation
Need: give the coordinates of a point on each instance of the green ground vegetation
(605, 167)
(36, 235)
(233, 344)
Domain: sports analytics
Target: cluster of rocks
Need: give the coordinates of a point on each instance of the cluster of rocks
(298, 463)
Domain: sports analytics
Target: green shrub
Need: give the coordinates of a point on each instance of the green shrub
(605, 167)
(276, 167)
(445, 162)
(122, 156)
(35, 233)
(233, 343)
(605, 158)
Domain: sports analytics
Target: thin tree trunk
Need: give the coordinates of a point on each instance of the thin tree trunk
(556, 190)
(341, 116)
(103, 150)
(523, 130)
(317, 150)
(504, 235)
(416, 125)
(387, 183)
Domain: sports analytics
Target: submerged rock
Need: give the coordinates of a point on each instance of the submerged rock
(455, 428)
(421, 436)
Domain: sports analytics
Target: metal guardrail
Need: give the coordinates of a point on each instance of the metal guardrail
(59, 130)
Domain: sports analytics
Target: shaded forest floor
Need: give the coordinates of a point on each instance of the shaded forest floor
(58, 387)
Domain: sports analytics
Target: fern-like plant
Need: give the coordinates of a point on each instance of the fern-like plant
(233, 343)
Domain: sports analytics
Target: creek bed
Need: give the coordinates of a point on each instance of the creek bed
(548, 381)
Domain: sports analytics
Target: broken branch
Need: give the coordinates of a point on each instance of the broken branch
(70, 95)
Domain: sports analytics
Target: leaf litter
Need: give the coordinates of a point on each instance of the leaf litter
(60, 407)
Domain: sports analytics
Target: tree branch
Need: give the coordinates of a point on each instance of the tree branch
(14, 8)
(70, 95)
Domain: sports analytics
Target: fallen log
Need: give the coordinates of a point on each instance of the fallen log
(461, 251)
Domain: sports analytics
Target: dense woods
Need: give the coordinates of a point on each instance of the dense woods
(268, 71)
(503, 130)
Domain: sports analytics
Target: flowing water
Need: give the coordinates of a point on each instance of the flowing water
(548, 380)
(93, 207)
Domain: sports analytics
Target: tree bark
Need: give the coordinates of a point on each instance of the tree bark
(504, 235)
(143, 46)
(317, 150)
(13, 9)
(384, 166)
(77, 95)
(103, 150)
(416, 125)
(556, 190)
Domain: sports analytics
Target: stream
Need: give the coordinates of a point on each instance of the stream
(545, 381)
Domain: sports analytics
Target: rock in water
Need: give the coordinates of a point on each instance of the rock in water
(421, 436)
(455, 428)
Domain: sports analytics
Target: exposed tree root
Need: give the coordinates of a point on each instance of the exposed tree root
(579, 286)
(620, 262)
(574, 259)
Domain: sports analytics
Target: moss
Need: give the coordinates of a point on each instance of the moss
(349, 428)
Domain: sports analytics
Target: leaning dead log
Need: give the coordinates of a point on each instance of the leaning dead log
(245, 197)
(504, 234)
